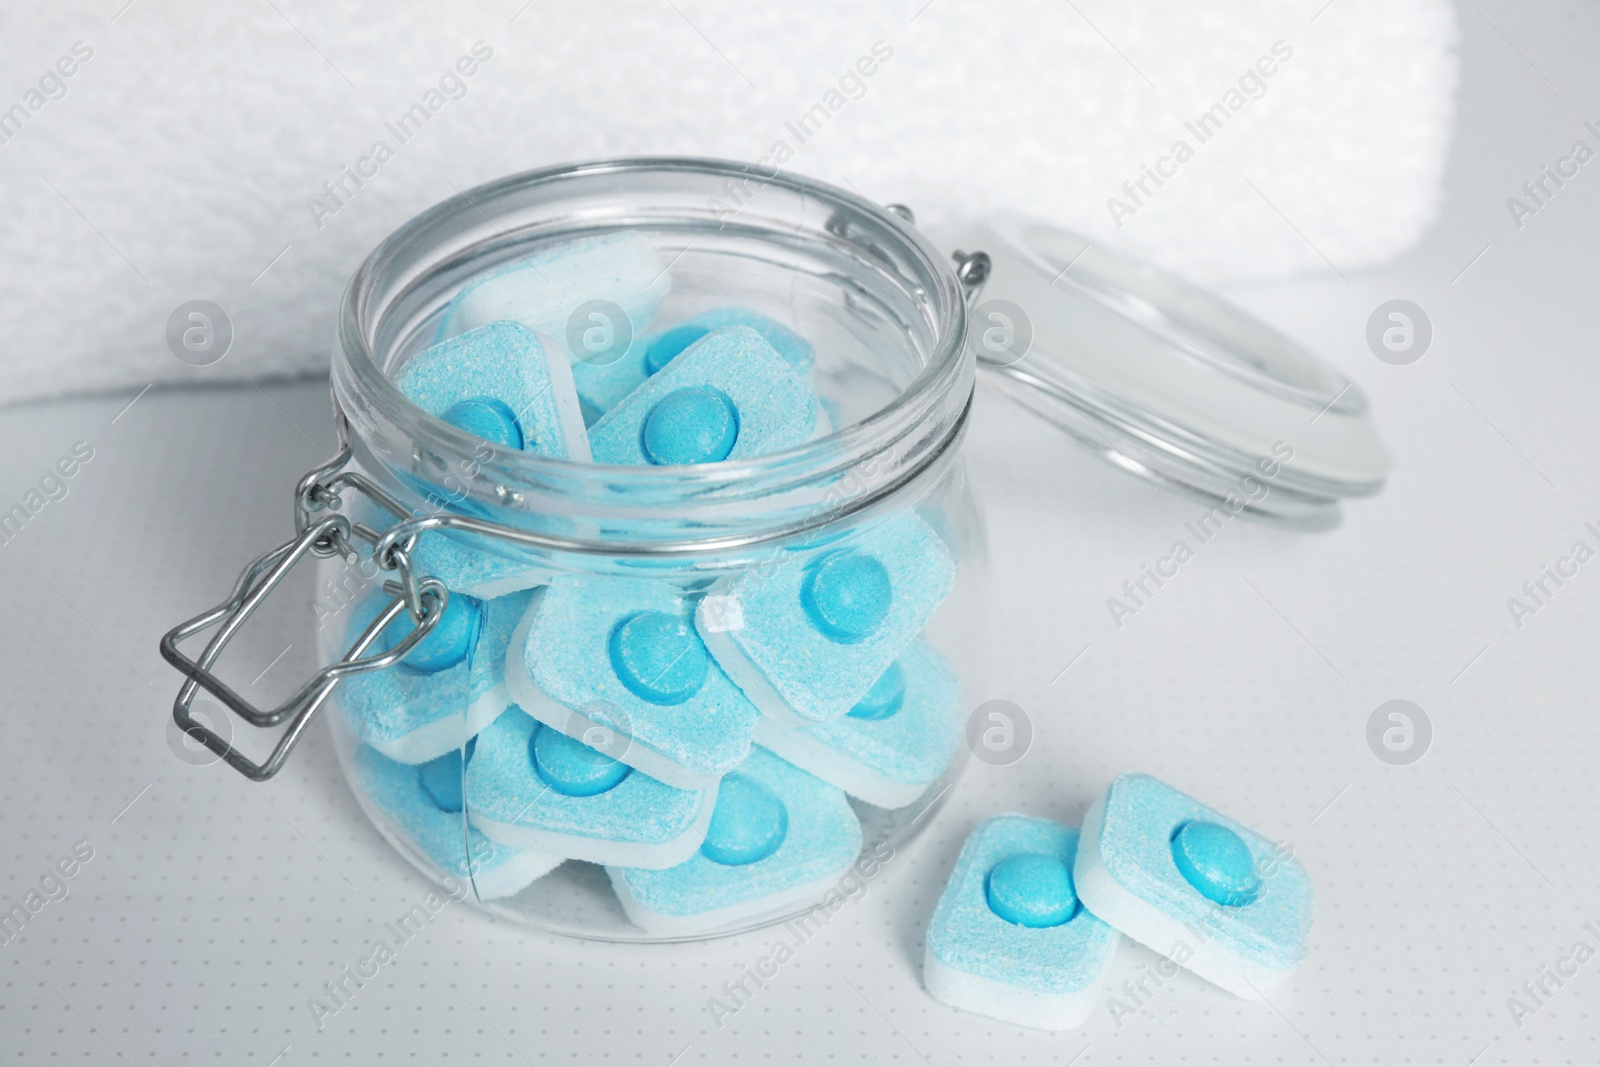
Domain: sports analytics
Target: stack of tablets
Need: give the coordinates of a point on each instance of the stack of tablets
(708, 742)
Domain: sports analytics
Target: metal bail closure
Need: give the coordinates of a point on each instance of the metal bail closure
(1163, 378)
(423, 599)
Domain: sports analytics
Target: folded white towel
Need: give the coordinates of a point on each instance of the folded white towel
(185, 154)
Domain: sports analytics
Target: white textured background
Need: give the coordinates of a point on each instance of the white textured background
(213, 908)
(179, 164)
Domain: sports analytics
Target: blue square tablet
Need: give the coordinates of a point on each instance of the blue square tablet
(604, 381)
(535, 788)
(420, 802)
(1009, 938)
(728, 396)
(623, 656)
(663, 347)
(437, 698)
(503, 384)
(893, 744)
(1189, 882)
(807, 638)
(778, 838)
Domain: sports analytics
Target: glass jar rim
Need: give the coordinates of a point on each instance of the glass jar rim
(938, 382)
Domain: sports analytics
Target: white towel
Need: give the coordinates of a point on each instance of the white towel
(186, 152)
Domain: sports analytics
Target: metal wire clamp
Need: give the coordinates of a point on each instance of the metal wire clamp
(423, 598)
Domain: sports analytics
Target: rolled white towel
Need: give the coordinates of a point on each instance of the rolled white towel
(185, 154)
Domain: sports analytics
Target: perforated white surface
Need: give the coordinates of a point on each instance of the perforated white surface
(211, 909)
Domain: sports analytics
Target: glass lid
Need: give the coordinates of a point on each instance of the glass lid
(1166, 380)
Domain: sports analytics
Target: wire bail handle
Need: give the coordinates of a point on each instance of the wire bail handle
(322, 532)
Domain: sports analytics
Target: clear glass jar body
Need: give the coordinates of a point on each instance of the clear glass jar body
(892, 375)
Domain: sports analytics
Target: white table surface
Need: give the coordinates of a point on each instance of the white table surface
(212, 909)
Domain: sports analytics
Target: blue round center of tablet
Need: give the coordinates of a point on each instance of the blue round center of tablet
(846, 595)
(659, 657)
(451, 638)
(665, 348)
(571, 767)
(885, 696)
(1216, 862)
(1031, 889)
(441, 778)
(487, 417)
(748, 823)
(696, 424)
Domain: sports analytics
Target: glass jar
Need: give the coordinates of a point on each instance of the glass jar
(739, 557)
